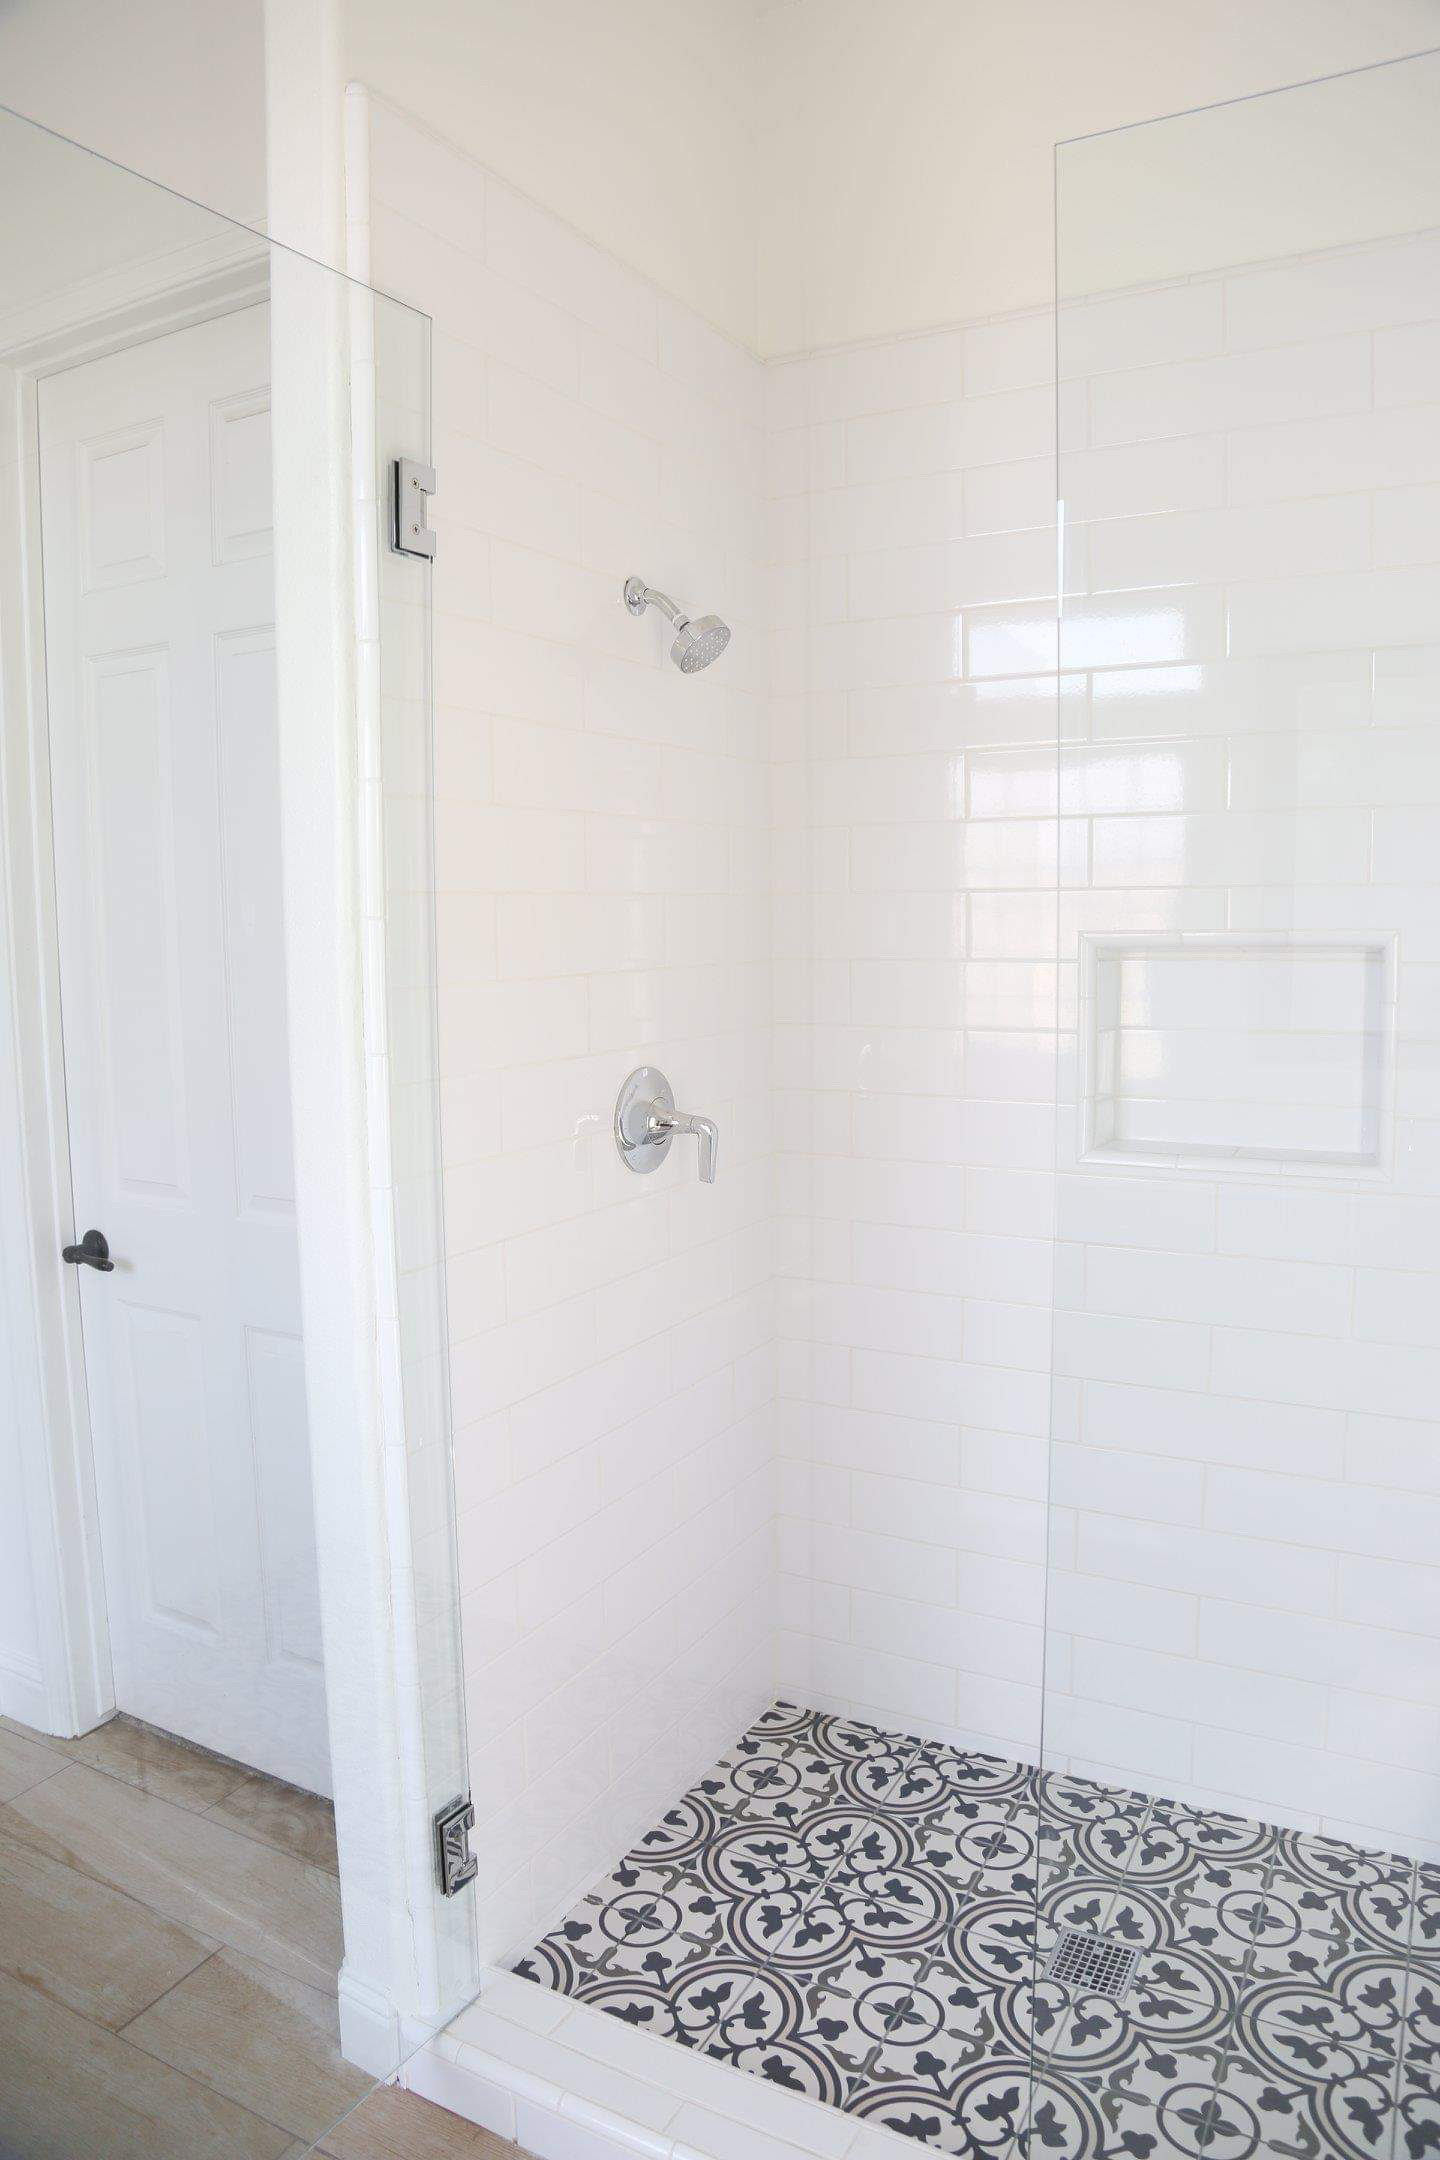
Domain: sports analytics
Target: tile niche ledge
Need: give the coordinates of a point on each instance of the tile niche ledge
(1237, 1052)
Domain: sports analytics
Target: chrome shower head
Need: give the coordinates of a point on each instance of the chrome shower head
(697, 642)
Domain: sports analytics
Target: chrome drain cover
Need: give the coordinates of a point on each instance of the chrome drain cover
(1092, 1965)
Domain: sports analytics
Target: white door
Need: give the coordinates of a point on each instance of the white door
(159, 613)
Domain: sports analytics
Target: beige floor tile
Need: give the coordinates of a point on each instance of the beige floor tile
(26, 1732)
(297, 1822)
(188, 1868)
(69, 2090)
(155, 1762)
(23, 1762)
(82, 1943)
(394, 2125)
(267, 2041)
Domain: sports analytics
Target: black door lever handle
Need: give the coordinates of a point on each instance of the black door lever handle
(92, 1251)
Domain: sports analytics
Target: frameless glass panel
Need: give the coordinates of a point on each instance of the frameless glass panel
(221, 1778)
(774, 1886)
(1245, 1468)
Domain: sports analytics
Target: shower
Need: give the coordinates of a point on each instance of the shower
(697, 642)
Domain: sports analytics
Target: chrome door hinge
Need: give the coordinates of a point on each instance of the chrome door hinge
(409, 532)
(455, 1864)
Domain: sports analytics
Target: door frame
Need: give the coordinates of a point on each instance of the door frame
(396, 1976)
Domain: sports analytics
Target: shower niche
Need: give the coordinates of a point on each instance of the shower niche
(1259, 1052)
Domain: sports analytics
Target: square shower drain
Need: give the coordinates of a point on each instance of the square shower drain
(1082, 1960)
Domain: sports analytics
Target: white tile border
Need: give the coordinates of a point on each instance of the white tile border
(1094, 1150)
(655, 2089)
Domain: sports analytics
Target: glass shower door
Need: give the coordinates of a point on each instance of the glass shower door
(229, 1640)
(1245, 1463)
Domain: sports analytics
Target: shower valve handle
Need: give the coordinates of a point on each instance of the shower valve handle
(646, 1121)
(706, 1131)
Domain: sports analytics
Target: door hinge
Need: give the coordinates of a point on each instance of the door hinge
(455, 1864)
(409, 532)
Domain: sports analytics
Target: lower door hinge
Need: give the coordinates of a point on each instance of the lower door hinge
(455, 1864)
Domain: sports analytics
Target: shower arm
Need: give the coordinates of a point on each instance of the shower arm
(639, 596)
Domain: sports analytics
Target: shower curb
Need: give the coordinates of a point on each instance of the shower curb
(552, 2120)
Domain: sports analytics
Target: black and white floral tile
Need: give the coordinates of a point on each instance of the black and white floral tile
(866, 1918)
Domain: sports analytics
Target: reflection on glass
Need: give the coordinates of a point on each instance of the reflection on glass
(1242, 1446)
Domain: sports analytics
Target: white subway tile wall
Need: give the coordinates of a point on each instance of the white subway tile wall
(917, 853)
(836, 887)
(1244, 1597)
(603, 902)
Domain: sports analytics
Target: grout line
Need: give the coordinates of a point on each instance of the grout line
(185, 2078)
(209, 1958)
(106, 1882)
(202, 1814)
(273, 1845)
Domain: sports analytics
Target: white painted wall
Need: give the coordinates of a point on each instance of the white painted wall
(633, 122)
(173, 88)
(807, 172)
(906, 151)
(801, 172)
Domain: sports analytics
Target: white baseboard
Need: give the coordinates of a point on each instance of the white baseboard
(23, 1693)
(370, 2034)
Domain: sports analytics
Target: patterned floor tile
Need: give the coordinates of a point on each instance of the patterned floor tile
(1212, 2107)
(1288, 1908)
(995, 1941)
(790, 1766)
(1170, 1859)
(907, 1906)
(1175, 2003)
(866, 1919)
(653, 1932)
(1372, 2003)
(1004, 1843)
(674, 1990)
(1161, 2101)
(1417, 2106)
(1425, 1933)
(980, 2116)
(1103, 1850)
(1201, 1953)
(1319, 2099)
(1421, 2044)
(864, 1762)
(1342, 1891)
(1077, 1801)
(936, 1776)
(1213, 1833)
(980, 1853)
(815, 2031)
(1332, 1864)
(1283, 1950)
